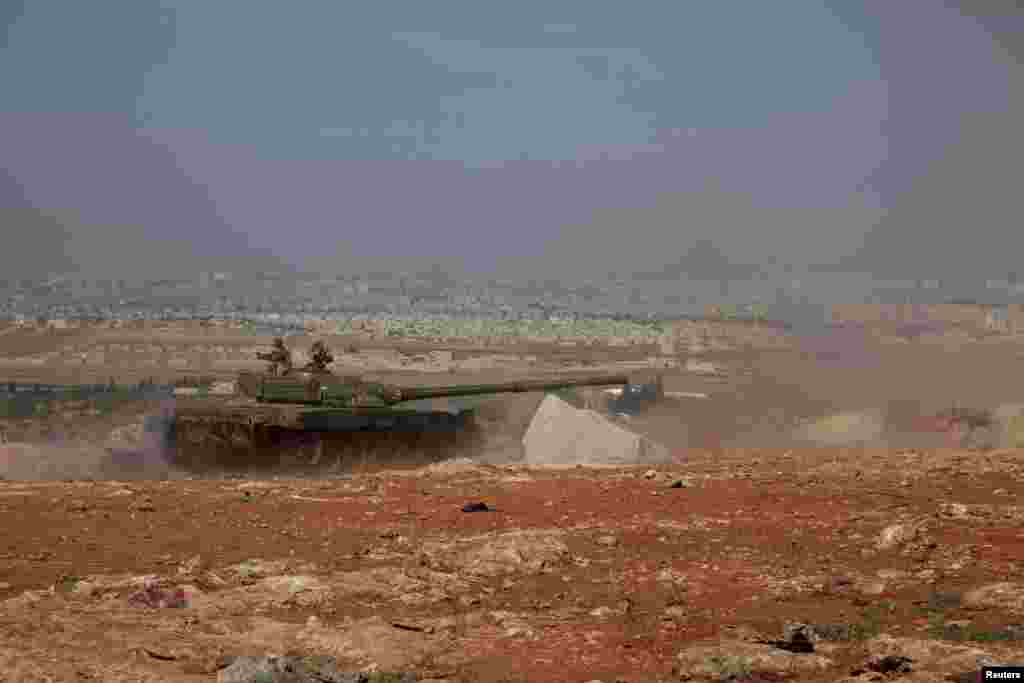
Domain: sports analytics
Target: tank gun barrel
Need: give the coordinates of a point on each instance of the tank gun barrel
(355, 394)
(401, 394)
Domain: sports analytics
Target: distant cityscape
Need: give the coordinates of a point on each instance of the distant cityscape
(785, 294)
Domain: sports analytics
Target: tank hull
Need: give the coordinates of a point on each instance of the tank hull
(251, 414)
(241, 434)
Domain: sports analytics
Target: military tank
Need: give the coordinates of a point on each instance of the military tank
(308, 415)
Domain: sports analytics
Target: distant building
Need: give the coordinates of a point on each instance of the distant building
(998, 319)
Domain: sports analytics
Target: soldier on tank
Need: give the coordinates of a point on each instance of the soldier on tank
(321, 358)
(279, 360)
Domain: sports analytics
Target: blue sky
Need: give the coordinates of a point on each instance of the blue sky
(466, 131)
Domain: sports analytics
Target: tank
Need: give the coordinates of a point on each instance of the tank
(312, 415)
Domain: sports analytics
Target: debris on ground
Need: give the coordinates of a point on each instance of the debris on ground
(890, 664)
(797, 638)
(155, 596)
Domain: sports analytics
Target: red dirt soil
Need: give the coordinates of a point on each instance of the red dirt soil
(750, 540)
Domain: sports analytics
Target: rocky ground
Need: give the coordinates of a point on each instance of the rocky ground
(891, 551)
(816, 565)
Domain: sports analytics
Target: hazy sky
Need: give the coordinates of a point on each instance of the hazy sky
(534, 138)
(955, 142)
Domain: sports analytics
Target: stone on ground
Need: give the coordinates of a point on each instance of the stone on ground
(744, 661)
(371, 643)
(520, 551)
